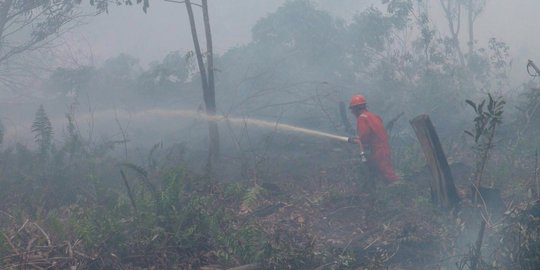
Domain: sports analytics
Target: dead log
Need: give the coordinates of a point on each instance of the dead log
(443, 189)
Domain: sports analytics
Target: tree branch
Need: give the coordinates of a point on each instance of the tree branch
(4, 10)
(182, 2)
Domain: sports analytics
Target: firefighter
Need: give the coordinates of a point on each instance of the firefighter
(372, 136)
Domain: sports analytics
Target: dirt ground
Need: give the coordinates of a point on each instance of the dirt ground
(326, 192)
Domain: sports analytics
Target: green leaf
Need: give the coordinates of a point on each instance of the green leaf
(481, 106)
(472, 104)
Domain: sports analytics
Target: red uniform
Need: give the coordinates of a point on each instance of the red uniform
(373, 136)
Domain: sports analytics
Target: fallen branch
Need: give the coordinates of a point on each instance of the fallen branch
(253, 266)
(11, 244)
(44, 234)
(19, 230)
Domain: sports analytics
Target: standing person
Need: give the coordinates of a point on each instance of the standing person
(372, 135)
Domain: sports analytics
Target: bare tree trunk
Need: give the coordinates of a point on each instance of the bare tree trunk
(470, 19)
(210, 99)
(207, 83)
(198, 53)
(454, 29)
(443, 190)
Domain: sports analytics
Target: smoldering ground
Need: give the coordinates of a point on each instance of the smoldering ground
(125, 181)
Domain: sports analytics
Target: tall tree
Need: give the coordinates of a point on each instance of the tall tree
(28, 25)
(43, 130)
(207, 77)
(165, 76)
(474, 8)
(206, 70)
(452, 10)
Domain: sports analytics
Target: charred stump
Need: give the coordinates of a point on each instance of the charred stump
(443, 190)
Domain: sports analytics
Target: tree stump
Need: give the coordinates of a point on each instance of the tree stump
(443, 190)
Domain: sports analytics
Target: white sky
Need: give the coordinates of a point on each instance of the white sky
(165, 27)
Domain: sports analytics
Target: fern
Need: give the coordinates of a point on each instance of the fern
(142, 175)
(251, 198)
(42, 129)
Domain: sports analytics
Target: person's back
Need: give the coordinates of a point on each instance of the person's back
(378, 137)
(371, 133)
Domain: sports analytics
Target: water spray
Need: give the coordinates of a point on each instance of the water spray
(234, 120)
(278, 125)
(153, 114)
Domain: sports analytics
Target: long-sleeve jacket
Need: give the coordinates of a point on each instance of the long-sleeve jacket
(373, 136)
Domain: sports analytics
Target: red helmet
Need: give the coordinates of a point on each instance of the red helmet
(357, 100)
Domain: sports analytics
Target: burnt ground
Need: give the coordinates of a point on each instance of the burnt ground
(315, 195)
(323, 190)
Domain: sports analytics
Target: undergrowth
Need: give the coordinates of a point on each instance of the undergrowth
(112, 214)
(72, 205)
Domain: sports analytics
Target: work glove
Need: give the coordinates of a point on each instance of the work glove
(363, 157)
(353, 140)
